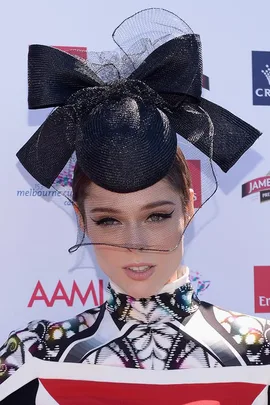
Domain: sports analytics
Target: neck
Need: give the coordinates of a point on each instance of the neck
(179, 272)
(175, 300)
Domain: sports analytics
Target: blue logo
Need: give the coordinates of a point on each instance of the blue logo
(62, 186)
(261, 77)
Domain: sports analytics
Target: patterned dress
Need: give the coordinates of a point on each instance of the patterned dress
(172, 330)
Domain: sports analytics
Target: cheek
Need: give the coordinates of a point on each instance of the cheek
(170, 261)
(108, 258)
(177, 254)
(174, 235)
(111, 259)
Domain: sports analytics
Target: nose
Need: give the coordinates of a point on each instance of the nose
(137, 238)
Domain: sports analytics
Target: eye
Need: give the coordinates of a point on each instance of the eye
(159, 216)
(108, 221)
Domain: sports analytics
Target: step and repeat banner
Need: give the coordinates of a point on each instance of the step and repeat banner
(226, 246)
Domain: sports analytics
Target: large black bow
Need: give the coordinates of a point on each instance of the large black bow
(173, 71)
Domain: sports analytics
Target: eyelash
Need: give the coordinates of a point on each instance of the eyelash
(103, 221)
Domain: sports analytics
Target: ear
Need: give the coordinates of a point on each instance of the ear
(79, 216)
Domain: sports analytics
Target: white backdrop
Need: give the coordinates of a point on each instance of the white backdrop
(229, 236)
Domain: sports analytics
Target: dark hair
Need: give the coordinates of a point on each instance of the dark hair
(179, 178)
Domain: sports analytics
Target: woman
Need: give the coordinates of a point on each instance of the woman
(133, 196)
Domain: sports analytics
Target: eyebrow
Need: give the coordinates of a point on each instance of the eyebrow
(145, 207)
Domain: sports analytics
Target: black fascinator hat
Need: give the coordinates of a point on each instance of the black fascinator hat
(120, 112)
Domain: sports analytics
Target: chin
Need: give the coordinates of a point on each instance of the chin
(142, 291)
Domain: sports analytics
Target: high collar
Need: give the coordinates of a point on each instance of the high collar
(176, 300)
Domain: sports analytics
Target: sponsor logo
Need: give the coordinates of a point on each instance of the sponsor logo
(199, 284)
(262, 289)
(195, 171)
(62, 186)
(261, 77)
(79, 51)
(90, 295)
(206, 82)
(259, 186)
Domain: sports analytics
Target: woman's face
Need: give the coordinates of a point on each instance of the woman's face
(150, 218)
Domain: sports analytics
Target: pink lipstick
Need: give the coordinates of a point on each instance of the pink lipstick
(139, 271)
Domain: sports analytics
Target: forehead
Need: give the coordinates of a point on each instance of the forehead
(98, 196)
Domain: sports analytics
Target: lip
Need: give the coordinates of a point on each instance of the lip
(139, 276)
(138, 265)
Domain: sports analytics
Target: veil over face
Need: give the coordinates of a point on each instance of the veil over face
(139, 216)
(140, 219)
(118, 115)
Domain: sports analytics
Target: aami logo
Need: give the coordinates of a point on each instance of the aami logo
(259, 185)
(261, 77)
(92, 291)
(262, 288)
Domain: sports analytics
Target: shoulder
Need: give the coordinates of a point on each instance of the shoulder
(250, 334)
(54, 337)
(42, 339)
(70, 328)
(242, 325)
(17, 348)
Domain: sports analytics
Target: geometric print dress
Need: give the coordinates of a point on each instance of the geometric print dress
(171, 330)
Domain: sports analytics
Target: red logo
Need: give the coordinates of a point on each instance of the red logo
(262, 289)
(195, 170)
(205, 82)
(60, 293)
(260, 185)
(80, 51)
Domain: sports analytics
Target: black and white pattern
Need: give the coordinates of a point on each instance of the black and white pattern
(172, 330)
